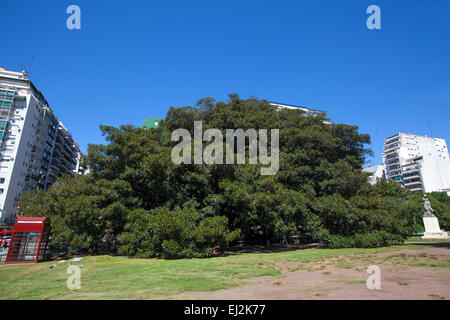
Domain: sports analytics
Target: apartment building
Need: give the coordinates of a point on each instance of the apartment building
(376, 172)
(35, 148)
(308, 111)
(418, 163)
(152, 122)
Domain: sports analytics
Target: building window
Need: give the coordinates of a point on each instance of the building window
(1, 191)
(2, 180)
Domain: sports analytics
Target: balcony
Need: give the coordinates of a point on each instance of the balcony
(392, 139)
(407, 176)
(393, 167)
(411, 170)
(393, 161)
(393, 153)
(413, 177)
(413, 183)
(391, 144)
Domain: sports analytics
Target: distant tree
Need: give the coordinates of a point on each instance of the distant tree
(440, 202)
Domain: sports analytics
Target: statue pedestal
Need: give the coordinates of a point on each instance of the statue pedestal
(441, 235)
(432, 229)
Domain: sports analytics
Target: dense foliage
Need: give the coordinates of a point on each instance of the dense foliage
(136, 194)
(83, 211)
(174, 233)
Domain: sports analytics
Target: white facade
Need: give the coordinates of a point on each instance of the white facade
(34, 147)
(417, 163)
(376, 173)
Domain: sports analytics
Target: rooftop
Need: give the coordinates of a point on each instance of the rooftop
(150, 123)
(294, 106)
(372, 169)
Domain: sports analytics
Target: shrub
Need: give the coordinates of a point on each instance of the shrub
(366, 240)
(174, 234)
(336, 241)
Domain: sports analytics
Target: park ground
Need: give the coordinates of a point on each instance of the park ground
(415, 270)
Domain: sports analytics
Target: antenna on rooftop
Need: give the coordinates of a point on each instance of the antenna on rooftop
(31, 63)
(430, 131)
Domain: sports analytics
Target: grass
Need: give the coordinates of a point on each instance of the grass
(440, 264)
(436, 296)
(108, 277)
(350, 281)
(414, 239)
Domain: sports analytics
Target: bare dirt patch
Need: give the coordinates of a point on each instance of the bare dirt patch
(405, 274)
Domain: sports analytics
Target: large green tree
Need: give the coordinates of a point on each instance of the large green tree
(318, 194)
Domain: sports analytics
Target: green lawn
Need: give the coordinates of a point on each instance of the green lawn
(419, 239)
(107, 277)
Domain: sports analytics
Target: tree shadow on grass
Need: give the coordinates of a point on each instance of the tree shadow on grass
(264, 249)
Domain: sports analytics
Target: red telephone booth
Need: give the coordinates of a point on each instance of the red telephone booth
(27, 242)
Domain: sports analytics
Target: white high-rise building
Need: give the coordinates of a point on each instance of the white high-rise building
(417, 163)
(35, 148)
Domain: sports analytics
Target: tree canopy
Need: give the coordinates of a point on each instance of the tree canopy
(135, 194)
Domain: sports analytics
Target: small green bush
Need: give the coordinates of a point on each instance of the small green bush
(336, 241)
(366, 240)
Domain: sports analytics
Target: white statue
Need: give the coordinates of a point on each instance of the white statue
(431, 223)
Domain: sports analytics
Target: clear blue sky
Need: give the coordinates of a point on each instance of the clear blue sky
(134, 59)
